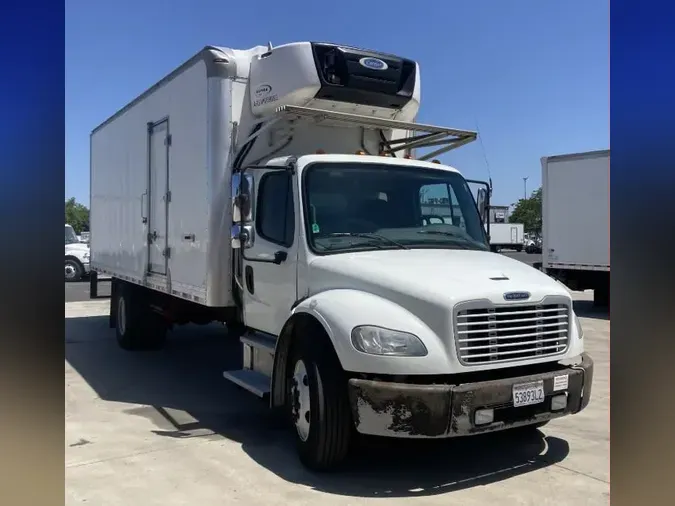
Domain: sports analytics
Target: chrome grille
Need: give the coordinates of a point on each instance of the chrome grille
(510, 333)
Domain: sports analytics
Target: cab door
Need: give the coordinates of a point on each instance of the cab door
(269, 261)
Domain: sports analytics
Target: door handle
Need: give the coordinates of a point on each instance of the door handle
(280, 256)
(144, 217)
(249, 279)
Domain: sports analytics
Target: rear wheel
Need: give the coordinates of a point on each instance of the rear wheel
(137, 326)
(318, 405)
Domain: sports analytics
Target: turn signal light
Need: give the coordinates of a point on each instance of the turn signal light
(360, 152)
(435, 161)
(320, 152)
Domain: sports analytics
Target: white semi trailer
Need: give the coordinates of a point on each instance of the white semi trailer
(575, 221)
(273, 189)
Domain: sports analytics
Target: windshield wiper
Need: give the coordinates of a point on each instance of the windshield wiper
(449, 234)
(368, 235)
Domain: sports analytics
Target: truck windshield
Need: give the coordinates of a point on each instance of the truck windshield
(361, 206)
(71, 237)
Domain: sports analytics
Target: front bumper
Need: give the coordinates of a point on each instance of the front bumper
(438, 411)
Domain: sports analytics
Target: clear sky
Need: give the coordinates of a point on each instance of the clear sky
(531, 75)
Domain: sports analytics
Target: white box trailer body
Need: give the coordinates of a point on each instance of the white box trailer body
(349, 279)
(507, 235)
(575, 219)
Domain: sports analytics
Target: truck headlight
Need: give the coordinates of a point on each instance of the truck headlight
(85, 256)
(580, 330)
(380, 341)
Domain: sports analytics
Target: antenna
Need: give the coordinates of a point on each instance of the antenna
(487, 164)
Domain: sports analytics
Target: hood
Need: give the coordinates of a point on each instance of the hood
(441, 276)
(78, 246)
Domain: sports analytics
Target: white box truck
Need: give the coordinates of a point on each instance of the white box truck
(274, 190)
(575, 221)
(507, 236)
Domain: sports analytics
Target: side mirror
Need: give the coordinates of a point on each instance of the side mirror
(242, 198)
(241, 237)
(481, 201)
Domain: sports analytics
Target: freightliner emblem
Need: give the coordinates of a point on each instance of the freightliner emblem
(516, 295)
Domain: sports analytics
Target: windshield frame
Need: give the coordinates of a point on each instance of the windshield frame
(305, 211)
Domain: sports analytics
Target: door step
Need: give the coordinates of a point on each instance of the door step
(259, 341)
(253, 381)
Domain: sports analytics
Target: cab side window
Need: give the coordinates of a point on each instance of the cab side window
(275, 216)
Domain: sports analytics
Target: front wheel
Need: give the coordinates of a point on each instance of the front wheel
(74, 270)
(318, 405)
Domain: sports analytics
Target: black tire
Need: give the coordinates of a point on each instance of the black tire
(326, 444)
(73, 270)
(519, 249)
(137, 326)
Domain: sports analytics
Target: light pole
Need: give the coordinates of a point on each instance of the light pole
(525, 186)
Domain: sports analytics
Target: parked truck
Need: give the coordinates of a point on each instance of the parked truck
(77, 256)
(575, 221)
(507, 236)
(279, 190)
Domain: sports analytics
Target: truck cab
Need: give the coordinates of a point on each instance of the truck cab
(359, 307)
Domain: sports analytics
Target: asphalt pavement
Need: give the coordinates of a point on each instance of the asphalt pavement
(80, 291)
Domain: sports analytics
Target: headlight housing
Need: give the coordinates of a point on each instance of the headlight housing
(393, 343)
(580, 330)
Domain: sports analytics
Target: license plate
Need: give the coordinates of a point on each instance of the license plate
(526, 394)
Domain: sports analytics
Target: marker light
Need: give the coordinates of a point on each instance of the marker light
(320, 152)
(435, 161)
(360, 152)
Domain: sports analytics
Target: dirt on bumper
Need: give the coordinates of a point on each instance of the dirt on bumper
(427, 411)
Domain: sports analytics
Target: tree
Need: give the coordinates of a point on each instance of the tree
(528, 212)
(77, 216)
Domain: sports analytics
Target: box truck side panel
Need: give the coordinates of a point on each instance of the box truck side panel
(576, 211)
(506, 233)
(149, 200)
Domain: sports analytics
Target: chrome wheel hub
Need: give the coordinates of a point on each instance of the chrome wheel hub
(70, 271)
(300, 400)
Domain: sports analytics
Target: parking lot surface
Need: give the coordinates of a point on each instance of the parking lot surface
(164, 428)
